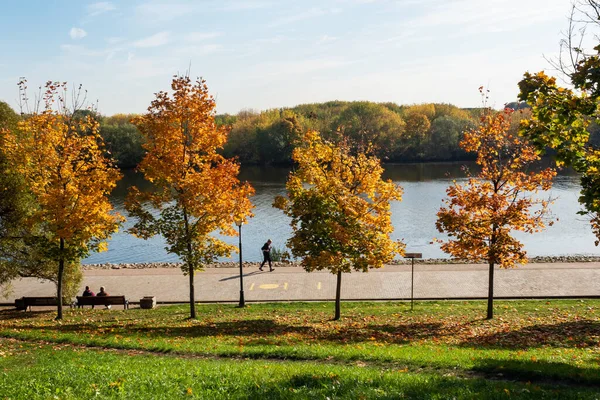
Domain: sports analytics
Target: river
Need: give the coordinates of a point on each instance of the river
(413, 218)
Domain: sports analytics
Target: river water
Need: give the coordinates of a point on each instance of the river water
(413, 218)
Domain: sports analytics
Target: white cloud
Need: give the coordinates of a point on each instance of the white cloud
(100, 8)
(143, 68)
(304, 15)
(237, 5)
(198, 50)
(272, 40)
(163, 11)
(155, 40)
(496, 16)
(326, 39)
(77, 33)
(293, 68)
(167, 10)
(114, 40)
(201, 36)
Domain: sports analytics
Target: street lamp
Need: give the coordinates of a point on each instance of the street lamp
(412, 257)
(239, 223)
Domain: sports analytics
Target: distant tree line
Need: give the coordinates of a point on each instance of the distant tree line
(424, 132)
(397, 133)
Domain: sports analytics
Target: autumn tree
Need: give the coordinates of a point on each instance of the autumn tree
(122, 139)
(58, 152)
(276, 141)
(8, 117)
(363, 124)
(562, 118)
(22, 253)
(480, 215)
(340, 210)
(196, 190)
(242, 138)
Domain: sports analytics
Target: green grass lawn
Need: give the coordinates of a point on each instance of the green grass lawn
(532, 349)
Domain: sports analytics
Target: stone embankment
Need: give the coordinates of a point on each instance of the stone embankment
(233, 264)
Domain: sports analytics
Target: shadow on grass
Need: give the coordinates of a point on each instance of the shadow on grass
(19, 314)
(539, 371)
(573, 334)
(585, 333)
(330, 385)
(261, 328)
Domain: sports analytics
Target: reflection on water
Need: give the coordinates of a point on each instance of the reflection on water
(413, 219)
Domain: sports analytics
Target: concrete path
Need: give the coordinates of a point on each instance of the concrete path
(292, 283)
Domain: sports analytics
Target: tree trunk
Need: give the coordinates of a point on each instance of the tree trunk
(191, 266)
(491, 261)
(59, 285)
(490, 305)
(192, 295)
(338, 292)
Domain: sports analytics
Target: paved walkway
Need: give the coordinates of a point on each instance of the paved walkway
(292, 283)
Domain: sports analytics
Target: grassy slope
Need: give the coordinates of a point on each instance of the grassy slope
(438, 347)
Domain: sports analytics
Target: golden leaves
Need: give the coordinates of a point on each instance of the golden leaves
(61, 156)
(480, 215)
(197, 189)
(339, 207)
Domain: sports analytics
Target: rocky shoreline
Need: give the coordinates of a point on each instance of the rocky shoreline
(233, 264)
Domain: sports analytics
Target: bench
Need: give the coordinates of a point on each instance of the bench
(27, 302)
(102, 301)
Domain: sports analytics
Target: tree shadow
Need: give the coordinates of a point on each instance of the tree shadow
(259, 330)
(20, 314)
(319, 384)
(244, 275)
(539, 371)
(584, 333)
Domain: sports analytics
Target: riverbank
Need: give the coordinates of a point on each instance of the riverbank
(429, 261)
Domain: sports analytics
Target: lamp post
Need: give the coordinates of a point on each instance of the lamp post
(412, 257)
(239, 223)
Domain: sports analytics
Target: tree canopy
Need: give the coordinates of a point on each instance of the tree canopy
(196, 190)
(340, 209)
(565, 120)
(59, 154)
(480, 216)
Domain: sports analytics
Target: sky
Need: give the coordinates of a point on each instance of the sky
(262, 54)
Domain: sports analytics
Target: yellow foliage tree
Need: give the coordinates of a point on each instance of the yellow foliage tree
(480, 215)
(59, 153)
(340, 210)
(196, 190)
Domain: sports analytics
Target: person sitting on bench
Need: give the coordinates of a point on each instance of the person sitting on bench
(87, 292)
(102, 292)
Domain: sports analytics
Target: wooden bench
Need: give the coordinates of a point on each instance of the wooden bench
(27, 302)
(102, 301)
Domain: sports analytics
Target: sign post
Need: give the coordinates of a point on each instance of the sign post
(412, 257)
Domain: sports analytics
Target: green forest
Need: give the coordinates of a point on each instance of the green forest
(398, 133)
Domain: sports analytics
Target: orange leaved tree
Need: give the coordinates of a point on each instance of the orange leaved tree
(59, 153)
(340, 210)
(480, 215)
(196, 190)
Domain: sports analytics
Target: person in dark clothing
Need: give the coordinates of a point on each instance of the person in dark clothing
(266, 250)
(102, 292)
(87, 292)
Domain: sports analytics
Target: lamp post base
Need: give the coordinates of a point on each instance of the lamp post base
(242, 302)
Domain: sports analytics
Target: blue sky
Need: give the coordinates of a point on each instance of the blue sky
(260, 54)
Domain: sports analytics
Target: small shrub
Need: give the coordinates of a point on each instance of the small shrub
(280, 255)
